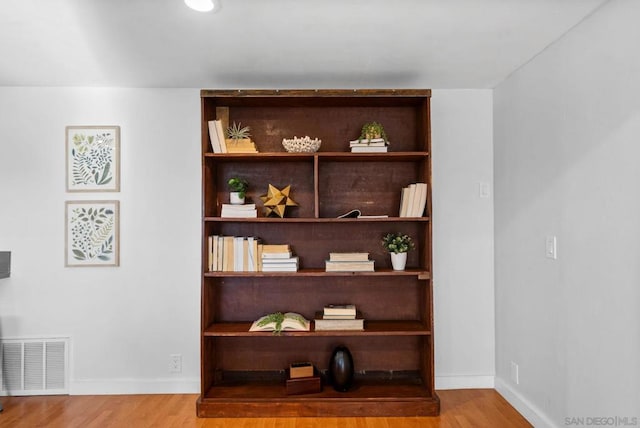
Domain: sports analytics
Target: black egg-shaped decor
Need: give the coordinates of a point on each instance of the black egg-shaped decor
(341, 369)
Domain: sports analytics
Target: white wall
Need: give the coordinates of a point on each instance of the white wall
(567, 146)
(125, 321)
(462, 145)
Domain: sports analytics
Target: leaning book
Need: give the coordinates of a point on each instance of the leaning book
(289, 321)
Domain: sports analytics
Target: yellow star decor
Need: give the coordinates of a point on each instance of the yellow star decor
(275, 201)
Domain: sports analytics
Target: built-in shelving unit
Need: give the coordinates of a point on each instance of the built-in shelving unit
(243, 372)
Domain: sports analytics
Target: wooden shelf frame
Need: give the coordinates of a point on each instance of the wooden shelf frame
(398, 334)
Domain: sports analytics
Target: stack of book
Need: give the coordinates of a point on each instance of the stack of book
(349, 262)
(241, 145)
(239, 211)
(339, 317)
(375, 145)
(233, 253)
(413, 200)
(278, 258)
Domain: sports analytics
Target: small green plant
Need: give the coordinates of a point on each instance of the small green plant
(277, 319)
(372, 130)
(238, 132)
(237, 184)
(397, 243)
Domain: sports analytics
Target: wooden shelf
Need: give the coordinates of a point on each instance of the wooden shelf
(421, 274)
(367, 397)
(324, 156)
(398, 305)
(372, 328)
(316, 220)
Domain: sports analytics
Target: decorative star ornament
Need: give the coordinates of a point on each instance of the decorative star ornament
(276, 201)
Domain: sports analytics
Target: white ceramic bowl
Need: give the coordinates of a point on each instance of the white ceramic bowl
(301, 145)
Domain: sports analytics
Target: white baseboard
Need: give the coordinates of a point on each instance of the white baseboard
(464, 382)
(134, 386)
(532, 413)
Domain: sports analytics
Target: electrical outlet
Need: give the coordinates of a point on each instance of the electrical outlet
(515, 378)
(175, 363)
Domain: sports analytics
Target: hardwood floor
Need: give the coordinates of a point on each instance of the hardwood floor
(460, 409)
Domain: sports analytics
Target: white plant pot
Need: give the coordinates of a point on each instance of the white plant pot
(398, 260)
(235, 199)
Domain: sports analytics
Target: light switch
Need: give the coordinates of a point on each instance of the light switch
(552, 248)
(484, 189)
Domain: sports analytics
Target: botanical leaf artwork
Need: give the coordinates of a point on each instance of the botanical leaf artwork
(92, 158)
(91, 155)
(91, 234)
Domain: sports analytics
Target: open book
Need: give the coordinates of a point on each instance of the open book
(278, 322)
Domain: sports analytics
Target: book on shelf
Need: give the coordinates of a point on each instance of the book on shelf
(231, 211)
(338, 317)
(358, 214)
(283, 268)
(292, 321)
(369, 149)
(346, 309)
(244, 145)
(279, 260)
(349, 257)
(349, 266)
(413, 200)
(275, 248)
(213, 137)
(324, 324)
(232, 253)
(221, 136)
(271, 256)
(374, 142)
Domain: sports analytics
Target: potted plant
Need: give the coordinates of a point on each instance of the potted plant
(371, 131)
(397, 244)
(238, 133)
(238, 188)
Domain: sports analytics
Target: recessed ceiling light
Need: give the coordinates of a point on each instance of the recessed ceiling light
(203, 5)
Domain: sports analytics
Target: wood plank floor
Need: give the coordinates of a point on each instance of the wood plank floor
(460, 409)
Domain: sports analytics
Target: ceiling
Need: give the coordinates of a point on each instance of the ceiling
(278, 43)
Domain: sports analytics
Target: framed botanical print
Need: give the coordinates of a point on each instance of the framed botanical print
(92, 233)
(93, 158)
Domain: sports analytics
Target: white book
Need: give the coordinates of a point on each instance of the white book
(251, 254)
(213, 137)
(279, 268)
(421, 189)
(365, 144)
(239, 214)
(409, 196)
(238, 254)
(241, 207)
(268, 261)
(369, 149)
(221, 136)
(219, 261)
(282, 255)
(213, 253)
(342, 309)
(365, 141)
(403, 202)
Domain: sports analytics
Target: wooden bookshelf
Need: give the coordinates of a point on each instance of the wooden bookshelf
(242, 372)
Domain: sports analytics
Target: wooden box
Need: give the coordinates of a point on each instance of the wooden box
(304, 385)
